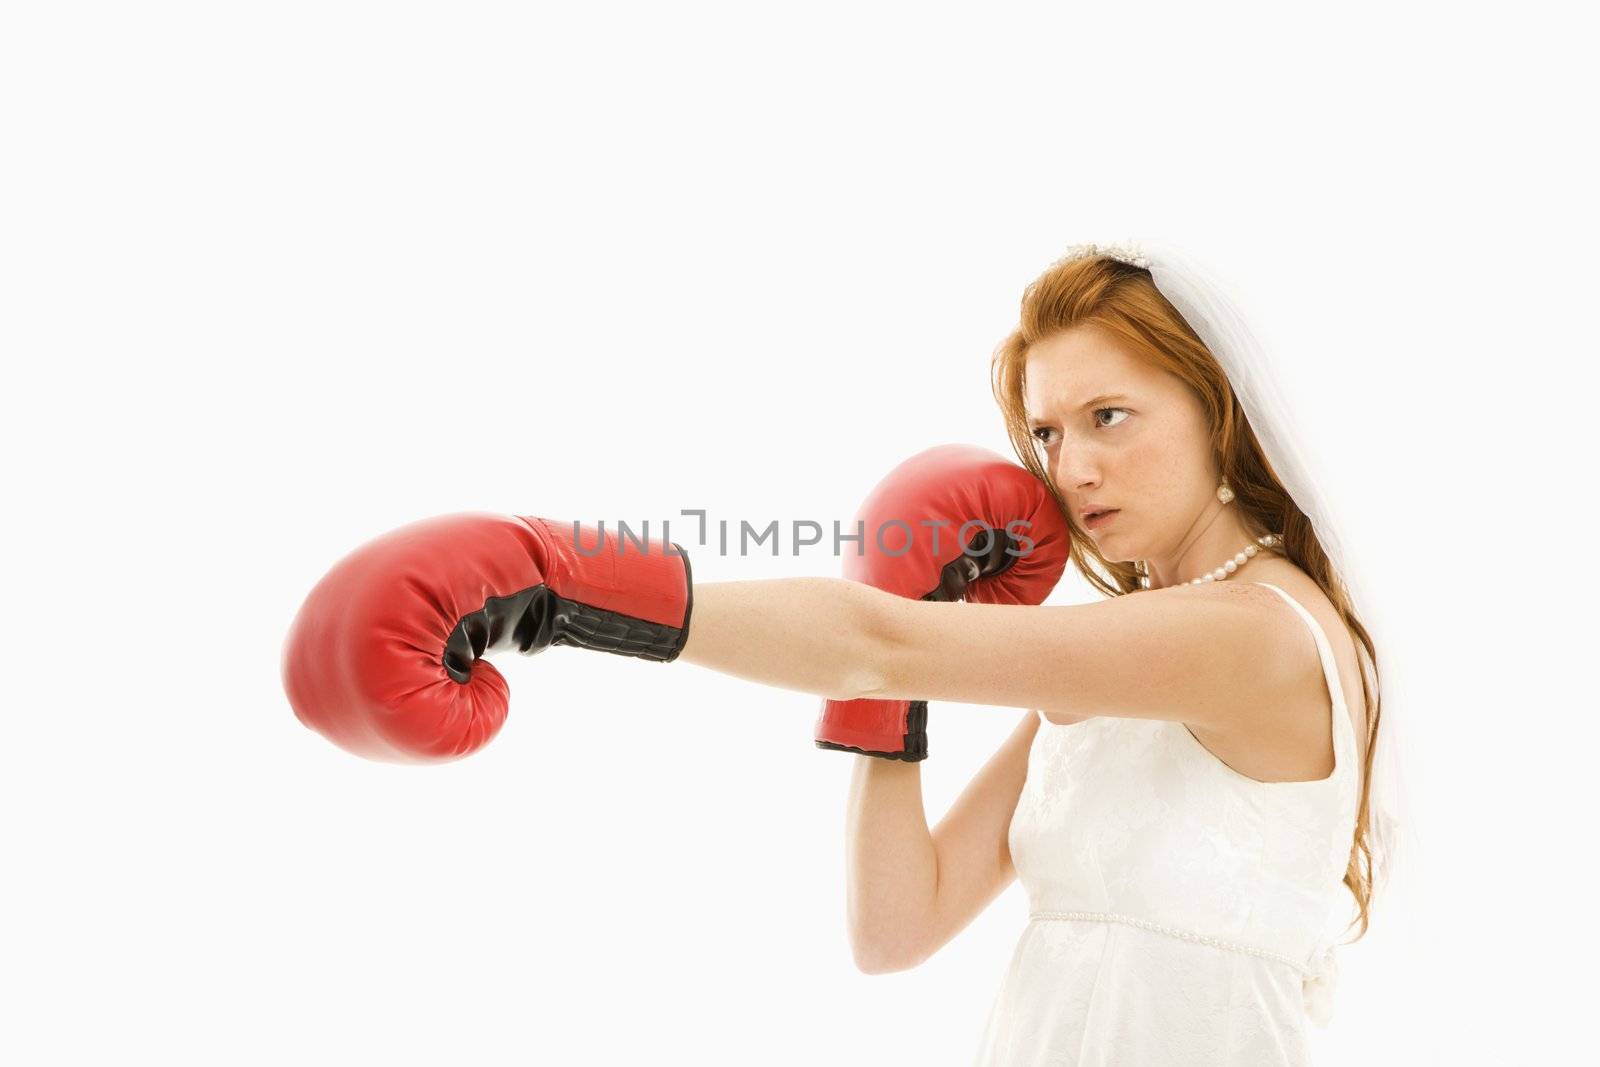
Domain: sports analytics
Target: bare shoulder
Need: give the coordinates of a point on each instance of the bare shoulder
(1341, 640)
(1276, 627)
(1287, 739)
(1309, 595)
(1286, 650)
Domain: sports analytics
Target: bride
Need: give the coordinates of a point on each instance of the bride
(1187, 799)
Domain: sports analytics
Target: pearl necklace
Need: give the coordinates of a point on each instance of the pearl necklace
(1240, 558)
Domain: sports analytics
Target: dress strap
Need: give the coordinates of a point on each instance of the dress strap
(1330, 673)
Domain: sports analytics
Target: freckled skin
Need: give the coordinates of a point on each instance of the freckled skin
(1150, 457)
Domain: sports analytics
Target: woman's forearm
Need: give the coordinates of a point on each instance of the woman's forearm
(891, 865)
(813, 635)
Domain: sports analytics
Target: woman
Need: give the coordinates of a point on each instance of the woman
(1190, 787)
(1191, 783)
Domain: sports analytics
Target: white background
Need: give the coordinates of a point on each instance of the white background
(280, 277)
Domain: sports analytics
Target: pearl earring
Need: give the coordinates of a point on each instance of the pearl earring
(1224, 494)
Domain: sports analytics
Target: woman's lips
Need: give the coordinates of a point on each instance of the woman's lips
(1100, 520)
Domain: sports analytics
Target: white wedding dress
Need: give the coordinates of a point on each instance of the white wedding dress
(1179, 912)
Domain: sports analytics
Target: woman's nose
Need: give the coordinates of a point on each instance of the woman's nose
(1077, 470)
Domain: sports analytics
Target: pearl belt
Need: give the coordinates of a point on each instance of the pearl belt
(1186, 935)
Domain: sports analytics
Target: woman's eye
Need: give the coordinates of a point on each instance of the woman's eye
(1097, 412)
(1042, 434)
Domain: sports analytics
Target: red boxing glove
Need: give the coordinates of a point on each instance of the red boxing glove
(385, 656)
(975, 526)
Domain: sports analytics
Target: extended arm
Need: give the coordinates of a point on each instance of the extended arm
(1193, 654)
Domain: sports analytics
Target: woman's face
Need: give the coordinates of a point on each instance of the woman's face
(1120, 433)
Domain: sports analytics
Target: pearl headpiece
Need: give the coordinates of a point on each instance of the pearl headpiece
(1126, 251)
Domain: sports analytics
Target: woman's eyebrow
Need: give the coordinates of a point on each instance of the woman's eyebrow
(1091, 402)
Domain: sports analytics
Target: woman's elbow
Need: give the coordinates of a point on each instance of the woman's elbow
(883, 958)
(882, 965)
(862, 685)
(874, 660)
